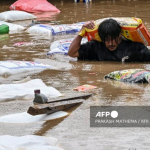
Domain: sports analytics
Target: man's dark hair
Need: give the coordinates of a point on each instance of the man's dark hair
(109, 28)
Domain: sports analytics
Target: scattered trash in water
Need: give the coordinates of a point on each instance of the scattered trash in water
(39, 97)
(124, 58)
(85, 87)
(7, 47)
(92, 73)
(130, 75)
(23, 44)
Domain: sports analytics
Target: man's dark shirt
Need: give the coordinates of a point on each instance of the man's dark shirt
(95, 50)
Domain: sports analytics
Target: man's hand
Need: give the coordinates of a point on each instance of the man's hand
(89, 25)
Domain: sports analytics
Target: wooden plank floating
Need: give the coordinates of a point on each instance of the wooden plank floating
(79, 96)
(49, 108)
(53, 105)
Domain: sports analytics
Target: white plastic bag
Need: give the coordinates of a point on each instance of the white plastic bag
(25, 91)
(15, 15)
(13, 27)
(62, 46)
(14, 67)
(40, 30)
(46, 29)
(59, 49)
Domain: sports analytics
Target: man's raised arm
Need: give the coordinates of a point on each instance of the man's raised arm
(75, 45)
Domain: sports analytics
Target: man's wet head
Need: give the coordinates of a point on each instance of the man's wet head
(110, 33)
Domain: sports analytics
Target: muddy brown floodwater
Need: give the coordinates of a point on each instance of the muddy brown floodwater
(74, 131)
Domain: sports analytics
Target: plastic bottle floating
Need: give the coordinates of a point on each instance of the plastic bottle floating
(39, 97)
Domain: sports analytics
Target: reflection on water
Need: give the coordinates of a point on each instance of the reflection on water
(73, 74)
(52, 123)
(46, 16)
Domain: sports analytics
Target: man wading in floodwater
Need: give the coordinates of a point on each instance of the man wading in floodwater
(112, 47)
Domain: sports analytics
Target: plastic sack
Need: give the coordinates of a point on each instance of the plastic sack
(132, 29)
(33, 6)
(130, 75)
(66, 28)
(62, 47)
(4, 29)
(15, 15)
(45, 29)
(14, 67)
(13, 27)
(38, 30)
(25, 91)
(59, 50)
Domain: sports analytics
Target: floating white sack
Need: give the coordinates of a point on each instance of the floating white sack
(15, 15)
(14, 67)
(13, 27)
(28, 142)
(76, 27)
(59, 44)
(25, 91)
(27, 118)
(62, 46)
(42, 29)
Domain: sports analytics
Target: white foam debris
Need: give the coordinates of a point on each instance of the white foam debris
(28, 142)
(27, 118)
